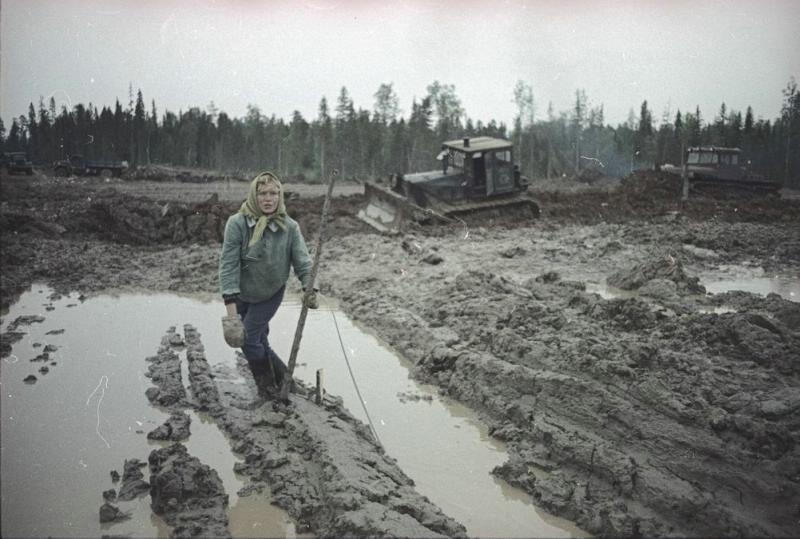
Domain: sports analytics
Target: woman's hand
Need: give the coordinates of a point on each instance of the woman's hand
(310, 300)
(233, 330)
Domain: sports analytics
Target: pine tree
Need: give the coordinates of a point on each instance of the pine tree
(421, 135)
(386, 104)
(33, 135)
(345, 140)
(324, 137)
(300, 156)
(719, 134)
(524, 127)
(578, 124)
(733, 135)
(449, 112)
(790, 126)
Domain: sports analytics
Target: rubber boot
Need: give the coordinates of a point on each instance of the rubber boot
(277, 366)
(262, 376)
(280, 370)
(266, 386)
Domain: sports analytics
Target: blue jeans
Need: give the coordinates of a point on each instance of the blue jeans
(262, 359)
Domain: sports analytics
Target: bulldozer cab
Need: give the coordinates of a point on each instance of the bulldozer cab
(715, 162)
(486, 163)
(713, 156)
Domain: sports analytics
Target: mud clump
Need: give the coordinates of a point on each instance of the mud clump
(174, 429)
(164, 370)
(653, 185)
(112, 513)
(661, 268)
(751, 337)
(592, 175)
(7, 340)
(187, 494)
(133, 483)
(11, 335)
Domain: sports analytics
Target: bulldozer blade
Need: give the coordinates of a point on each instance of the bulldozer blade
(389, 212)
(380, 214)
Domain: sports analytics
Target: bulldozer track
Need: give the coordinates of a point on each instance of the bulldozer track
(474, 208)
(388, 211)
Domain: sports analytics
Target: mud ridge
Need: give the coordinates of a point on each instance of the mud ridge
(320, 464)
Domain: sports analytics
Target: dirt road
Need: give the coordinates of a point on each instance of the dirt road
(660, 411)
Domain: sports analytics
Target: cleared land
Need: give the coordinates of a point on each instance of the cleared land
(662, 411)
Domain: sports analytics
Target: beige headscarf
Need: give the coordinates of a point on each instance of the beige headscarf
(251, 209)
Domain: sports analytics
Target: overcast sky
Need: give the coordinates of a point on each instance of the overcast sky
(282, 56)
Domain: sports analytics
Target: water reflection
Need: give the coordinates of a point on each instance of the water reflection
(607, 291)
(785, 287)
(745, 279)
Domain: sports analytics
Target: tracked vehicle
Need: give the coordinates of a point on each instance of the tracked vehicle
(716, 166)
(478, 177)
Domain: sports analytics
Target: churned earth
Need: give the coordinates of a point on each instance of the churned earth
(631, 401)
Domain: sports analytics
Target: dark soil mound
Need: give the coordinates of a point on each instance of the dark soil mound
(663, 267)
(72, 208)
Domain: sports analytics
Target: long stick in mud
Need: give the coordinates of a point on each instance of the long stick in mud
(298, 333)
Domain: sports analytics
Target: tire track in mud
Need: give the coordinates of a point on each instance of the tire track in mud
(319, 463)
(624, 415)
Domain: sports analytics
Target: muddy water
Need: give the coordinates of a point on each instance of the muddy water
(742, 278)
(62, 435)
(753, 279)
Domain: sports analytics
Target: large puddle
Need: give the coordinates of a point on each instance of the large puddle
(63, 434)
(725, 279)
(753, 279)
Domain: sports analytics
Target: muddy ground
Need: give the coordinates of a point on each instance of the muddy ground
(664, 411)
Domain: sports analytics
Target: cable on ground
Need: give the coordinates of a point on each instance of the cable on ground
(355, 384)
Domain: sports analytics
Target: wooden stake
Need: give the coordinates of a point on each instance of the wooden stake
(684, 176)
(320, 389)
(298, 334)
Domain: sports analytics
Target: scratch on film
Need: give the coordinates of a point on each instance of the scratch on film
(101, 386)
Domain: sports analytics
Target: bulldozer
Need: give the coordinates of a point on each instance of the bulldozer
(478, 176)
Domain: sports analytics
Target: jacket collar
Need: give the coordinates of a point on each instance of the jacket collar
(252, 222)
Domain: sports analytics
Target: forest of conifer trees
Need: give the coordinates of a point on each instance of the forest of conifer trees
(364, 143)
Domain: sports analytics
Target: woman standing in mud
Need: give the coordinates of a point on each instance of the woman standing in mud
(261, 244)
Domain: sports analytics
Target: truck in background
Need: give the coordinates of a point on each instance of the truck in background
(15, 163)
(77, 165)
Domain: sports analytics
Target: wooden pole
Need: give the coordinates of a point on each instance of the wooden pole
(684, 176)
(298, 334)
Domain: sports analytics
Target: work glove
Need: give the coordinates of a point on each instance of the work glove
(233, 330)
(310, 300)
